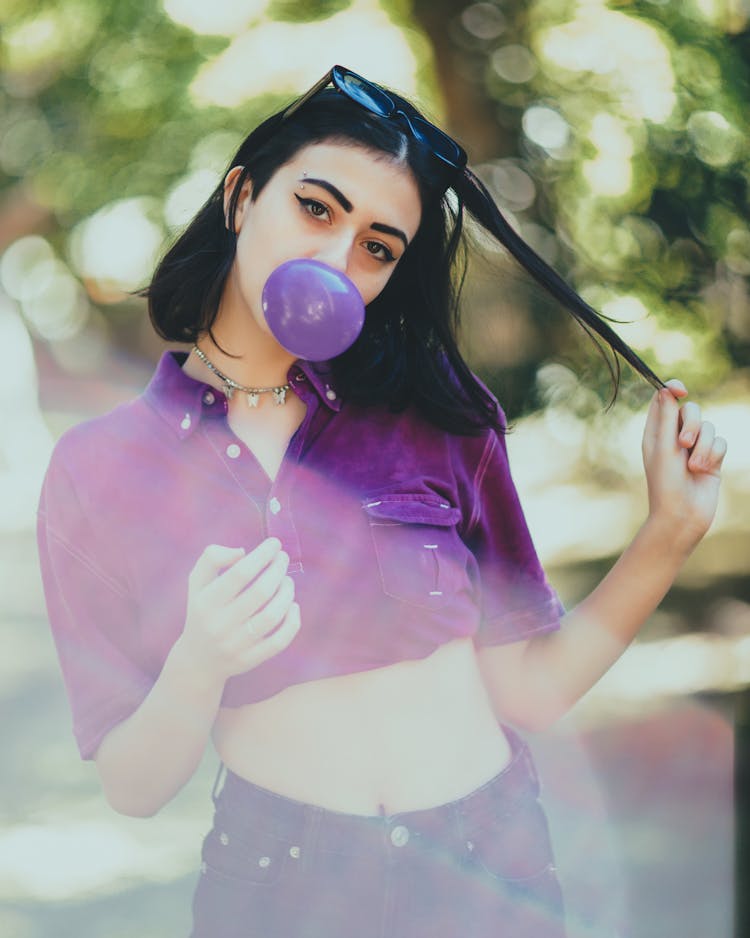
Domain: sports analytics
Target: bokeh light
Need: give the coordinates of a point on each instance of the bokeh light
(614, 138)
(715, 141)
(251, 66)
(546, 127)
(514, 63)
(635, 58)
(25, 441)
(483, 20)
(118, 245)
(187, 195)
(219, 17)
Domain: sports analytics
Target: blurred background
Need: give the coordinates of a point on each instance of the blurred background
(615, 136)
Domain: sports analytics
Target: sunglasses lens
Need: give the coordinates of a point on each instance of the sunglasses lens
(441, 144)
(365, 93)
(376, 100)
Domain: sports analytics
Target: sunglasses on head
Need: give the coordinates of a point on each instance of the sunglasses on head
(376, 100)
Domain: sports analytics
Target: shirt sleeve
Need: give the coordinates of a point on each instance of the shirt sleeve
(516, 599)
(92, 614)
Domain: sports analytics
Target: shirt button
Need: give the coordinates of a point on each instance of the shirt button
(264, 862)
(294, 852)
(274, 506)
(185, 422)
(223, 838)
(209, 397)
(331, 394)
(233, 451)
(400, 836)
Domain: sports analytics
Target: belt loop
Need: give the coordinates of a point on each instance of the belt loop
(515, 741)
(531, 769)
(459, 830)
(310, 832)
(519, 748)
(214, 790)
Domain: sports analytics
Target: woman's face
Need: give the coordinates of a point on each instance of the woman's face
(336, 203)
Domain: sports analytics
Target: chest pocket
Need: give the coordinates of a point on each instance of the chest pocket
(418, 550)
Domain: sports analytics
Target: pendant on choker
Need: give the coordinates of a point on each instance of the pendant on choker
(253, 394)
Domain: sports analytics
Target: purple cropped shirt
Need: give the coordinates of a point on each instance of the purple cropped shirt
(401, 537)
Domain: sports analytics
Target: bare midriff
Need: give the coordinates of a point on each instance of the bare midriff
(412, 735)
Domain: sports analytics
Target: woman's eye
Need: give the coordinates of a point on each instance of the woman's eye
(312, 206)
(379, 250)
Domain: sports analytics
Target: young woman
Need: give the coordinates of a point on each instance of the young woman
(337, 584)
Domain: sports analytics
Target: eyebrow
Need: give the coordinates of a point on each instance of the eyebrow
(336, 193)
(389, 229)
(348, 207)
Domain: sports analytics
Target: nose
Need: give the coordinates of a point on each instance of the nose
(335, 253)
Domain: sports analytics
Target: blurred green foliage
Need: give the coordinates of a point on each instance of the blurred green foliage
(95, 102)
(624, 152)
(302, 11)
(627, 163)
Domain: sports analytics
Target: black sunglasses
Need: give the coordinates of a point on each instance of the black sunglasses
(372, 97)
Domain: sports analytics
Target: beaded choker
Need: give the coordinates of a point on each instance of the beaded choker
(230, 385)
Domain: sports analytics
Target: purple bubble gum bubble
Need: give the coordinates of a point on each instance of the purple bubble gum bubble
(314, 311)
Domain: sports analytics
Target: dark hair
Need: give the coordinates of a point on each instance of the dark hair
(407, 352)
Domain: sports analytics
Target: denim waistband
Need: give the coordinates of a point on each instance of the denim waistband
(250, 809)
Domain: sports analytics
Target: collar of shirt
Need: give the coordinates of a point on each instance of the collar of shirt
(182, 400)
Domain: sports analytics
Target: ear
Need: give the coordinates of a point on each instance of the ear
(230, 182)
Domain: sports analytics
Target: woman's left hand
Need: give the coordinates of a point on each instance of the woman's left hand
(682, 457)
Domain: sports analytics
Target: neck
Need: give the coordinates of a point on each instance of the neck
(256, 359)
(248, 366)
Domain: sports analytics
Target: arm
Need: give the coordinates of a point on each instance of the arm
(236, 619)
(145, 760)
(533, 683)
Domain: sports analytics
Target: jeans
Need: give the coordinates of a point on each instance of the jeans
(480, 866)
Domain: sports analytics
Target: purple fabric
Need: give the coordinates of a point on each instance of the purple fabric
(401, 537)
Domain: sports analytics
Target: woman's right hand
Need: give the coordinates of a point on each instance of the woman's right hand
(240, 609)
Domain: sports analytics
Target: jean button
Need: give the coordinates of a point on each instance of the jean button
(400, 836)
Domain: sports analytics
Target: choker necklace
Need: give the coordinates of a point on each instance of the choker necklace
(230, 386)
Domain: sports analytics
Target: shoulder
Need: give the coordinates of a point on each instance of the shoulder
(381, 414)
(128, 430)
(98, 440)
(95, 457)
